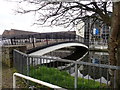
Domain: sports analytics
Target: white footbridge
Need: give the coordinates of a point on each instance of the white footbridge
(40, 52)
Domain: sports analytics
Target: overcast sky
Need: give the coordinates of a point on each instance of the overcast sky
(10, 20)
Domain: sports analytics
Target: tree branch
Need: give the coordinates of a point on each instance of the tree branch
(67, 12)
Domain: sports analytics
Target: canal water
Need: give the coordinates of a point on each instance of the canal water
(94, 72)
(90, 72)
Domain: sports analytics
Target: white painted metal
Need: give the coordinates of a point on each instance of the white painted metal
(34, 80)
(55, 47)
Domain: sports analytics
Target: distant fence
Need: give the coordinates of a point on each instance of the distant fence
(24, 64)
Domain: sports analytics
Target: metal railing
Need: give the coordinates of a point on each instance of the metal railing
(88, 71)
(45, 38)
(34, 40)
(34, 80)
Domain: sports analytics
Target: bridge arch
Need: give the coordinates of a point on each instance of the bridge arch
(41, 51)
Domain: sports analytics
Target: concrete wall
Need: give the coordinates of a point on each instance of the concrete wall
(7, 53)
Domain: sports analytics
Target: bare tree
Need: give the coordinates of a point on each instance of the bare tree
(114, 42)
(66, 13)
(71, 13)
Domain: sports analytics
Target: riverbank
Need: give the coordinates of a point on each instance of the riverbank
(0, 69)
(7, 76)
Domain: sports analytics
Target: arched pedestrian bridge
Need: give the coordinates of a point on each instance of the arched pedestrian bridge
(43, 43)
(81, 49)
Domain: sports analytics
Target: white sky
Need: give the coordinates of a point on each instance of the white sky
(10, 20)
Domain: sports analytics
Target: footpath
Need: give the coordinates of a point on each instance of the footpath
(6, 77)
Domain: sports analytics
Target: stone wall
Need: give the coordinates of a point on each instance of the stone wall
(7, 53)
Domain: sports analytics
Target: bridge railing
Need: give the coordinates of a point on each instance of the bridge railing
(80, 73)
(41, 39)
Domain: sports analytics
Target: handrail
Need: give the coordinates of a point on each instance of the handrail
(20, 52)
(36, 81)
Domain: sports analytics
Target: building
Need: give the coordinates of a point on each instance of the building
(80, 28)
(96, 32)
(15, 32)
(14, 36)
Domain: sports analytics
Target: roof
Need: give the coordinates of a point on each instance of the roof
(15, 32)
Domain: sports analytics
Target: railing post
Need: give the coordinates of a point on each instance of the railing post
(11, 41)
(33, 41)
(115, 71)
(76, 76)
(28, 65)
(14, 58)
(14, 82)
(46, 39)
(28, 68)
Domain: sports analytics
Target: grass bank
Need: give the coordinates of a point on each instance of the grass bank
(61, 78)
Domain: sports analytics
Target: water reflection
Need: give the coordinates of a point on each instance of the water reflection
(96, 57)
(95, 72)
(84, 70)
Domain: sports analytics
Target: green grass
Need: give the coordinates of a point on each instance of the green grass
(61, 78)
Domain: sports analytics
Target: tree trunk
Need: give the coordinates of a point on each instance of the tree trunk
(114, 43)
